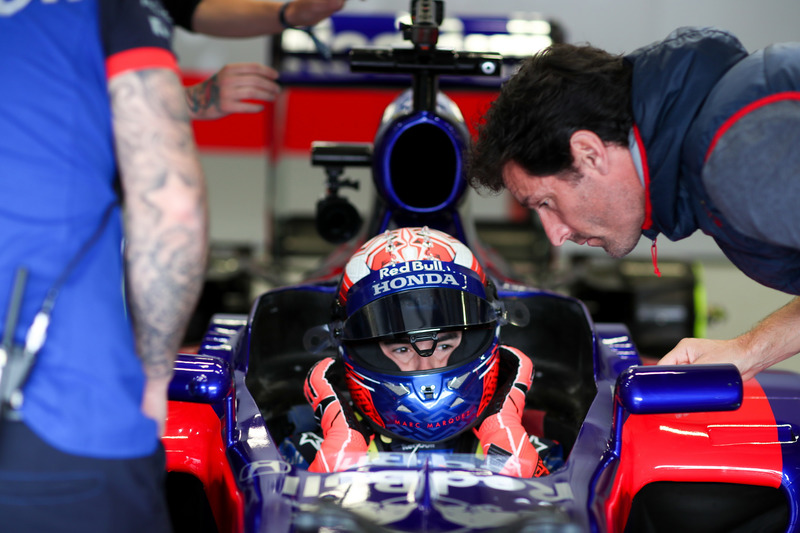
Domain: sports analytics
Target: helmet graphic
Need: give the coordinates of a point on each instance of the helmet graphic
(419, 336)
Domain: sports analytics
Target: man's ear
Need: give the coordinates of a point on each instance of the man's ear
(589, 152)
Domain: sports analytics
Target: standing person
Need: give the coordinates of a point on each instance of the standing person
(90, 91)
(237, 87)
(688, 133)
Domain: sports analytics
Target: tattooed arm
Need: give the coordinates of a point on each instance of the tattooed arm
(236, 88)
(165, 219)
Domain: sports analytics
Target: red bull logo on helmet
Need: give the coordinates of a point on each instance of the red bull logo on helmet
(414, 274)
(411, 266)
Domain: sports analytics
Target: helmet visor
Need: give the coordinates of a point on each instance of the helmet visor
(469, 344)
(415, 310)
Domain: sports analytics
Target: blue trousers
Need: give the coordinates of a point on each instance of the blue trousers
(45, 490)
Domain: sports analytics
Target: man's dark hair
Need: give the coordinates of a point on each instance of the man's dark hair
(558, 91)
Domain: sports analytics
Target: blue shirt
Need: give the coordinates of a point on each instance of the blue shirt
(57, 175)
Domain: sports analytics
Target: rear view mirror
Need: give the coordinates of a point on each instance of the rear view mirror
(200, 379)
(679, 388)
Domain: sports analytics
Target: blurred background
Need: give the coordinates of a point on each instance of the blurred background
(263, 188)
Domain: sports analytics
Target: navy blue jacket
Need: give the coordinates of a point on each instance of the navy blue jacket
(719, 131)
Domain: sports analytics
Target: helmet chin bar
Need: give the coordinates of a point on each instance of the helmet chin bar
(424, 335)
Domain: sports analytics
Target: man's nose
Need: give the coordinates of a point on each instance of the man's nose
(557, 232)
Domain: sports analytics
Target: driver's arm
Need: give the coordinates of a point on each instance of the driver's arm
(343, 442)
(502, 434)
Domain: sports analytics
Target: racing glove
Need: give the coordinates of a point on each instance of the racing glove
(502, 435)
(343, 442)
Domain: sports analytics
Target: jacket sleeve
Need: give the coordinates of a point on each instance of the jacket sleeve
(343, 442)
(181, 12)
(502, 435)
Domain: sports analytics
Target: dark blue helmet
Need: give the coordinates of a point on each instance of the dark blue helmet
(419, 336)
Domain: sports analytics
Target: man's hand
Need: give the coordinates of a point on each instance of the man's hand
(154, 401)
(774, 339)
(311, 12)
(232, 90)
(709, 351)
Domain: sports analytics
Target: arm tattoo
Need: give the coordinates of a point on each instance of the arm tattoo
(165, 211)
(203, 96)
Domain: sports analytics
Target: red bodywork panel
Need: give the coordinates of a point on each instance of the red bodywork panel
(729, 446)
(193, 444)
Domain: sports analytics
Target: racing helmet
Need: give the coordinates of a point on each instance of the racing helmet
(408, 285)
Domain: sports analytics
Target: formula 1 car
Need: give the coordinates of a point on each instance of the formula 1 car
(644, 448)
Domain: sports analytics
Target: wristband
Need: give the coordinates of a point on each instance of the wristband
(282, 17)
(322, 48)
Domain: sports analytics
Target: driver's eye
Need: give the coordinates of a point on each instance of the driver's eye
(401, 350)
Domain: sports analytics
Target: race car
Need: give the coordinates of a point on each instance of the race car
(642, 447)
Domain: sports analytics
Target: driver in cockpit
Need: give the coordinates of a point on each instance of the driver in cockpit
(416, 327)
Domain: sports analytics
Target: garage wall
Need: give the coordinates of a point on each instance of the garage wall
(243, 199)
(623, 25)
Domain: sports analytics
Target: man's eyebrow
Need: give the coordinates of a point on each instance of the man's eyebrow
(447, 335)
(528, 200)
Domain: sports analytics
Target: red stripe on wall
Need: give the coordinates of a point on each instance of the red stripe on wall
(302, 115)
(307, 114)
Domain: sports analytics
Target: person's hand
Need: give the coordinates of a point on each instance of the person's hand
(154, 401)
(772, 340)
(233, 90)
(311, 12)
(709, 351)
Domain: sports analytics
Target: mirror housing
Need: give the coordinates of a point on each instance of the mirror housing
(200, 379)
(679, 388)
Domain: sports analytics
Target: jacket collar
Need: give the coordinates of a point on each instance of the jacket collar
(671, 80)
(639, 157)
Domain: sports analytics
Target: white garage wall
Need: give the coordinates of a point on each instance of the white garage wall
(622, 25)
